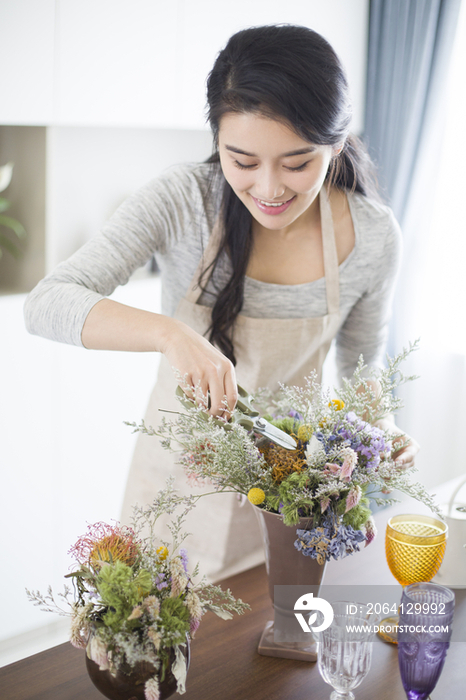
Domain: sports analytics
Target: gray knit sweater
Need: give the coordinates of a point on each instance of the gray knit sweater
(172, 218)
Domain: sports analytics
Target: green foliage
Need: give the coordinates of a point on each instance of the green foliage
(359, 515)
(287, 424)
(175, 619)
(121, 590)
(295, 498)
(7, 221)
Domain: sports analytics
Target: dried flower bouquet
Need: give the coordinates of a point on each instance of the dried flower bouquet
(134, 598)
(342, 459)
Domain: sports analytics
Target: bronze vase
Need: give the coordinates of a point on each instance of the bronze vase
(286, 566)
(128, 684)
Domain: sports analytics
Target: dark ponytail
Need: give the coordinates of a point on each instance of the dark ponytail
(291, 74)
(353, 170)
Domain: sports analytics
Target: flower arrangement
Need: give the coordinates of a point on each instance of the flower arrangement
(341, 461)
(135, 600)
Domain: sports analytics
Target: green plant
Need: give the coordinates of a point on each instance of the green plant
(6, 172)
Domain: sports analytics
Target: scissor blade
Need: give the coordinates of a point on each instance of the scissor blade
(275, 434)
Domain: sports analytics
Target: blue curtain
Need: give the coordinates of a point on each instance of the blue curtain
(410, 44)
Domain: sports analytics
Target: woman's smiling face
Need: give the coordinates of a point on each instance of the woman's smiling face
(274, 172)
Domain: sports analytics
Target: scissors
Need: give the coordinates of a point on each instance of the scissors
(249, 419)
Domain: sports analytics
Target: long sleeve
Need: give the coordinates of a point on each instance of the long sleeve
(365, 328)
(167, 217)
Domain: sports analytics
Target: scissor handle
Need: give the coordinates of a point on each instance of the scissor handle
(244, 403)
(245, 422)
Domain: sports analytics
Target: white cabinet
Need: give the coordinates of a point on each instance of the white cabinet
(144, 63)
(27, 29)
(117, 63)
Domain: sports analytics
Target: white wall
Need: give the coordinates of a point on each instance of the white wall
(91, 171)
(64, 453)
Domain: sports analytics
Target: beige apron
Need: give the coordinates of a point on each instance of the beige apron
(225, 537)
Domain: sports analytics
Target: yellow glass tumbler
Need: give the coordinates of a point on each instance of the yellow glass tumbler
(414, 547)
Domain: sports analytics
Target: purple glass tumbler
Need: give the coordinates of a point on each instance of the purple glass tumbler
(425, 627)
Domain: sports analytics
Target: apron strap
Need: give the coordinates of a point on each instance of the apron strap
(332, 276)
(332, 279)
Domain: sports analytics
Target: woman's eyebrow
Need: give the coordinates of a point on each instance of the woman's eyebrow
(298, 152)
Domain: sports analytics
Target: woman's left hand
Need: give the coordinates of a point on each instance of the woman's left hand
(408, 448)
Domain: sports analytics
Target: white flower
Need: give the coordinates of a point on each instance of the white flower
(194, 605)
(97, 652)
(151, 689)
(179, 578)
(152, 604)
(154, 636)
(180, 670)
(314, 447)
(80, 625)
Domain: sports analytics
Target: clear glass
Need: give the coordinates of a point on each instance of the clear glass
(426, 616)
(344, 654)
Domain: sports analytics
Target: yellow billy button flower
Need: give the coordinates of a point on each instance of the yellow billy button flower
(162, 552)
(337, 404)
(256, 496)
(304, 433)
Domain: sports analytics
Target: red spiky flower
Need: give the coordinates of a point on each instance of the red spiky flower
(106, 543)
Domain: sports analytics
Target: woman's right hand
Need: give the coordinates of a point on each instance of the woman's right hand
(205, 371)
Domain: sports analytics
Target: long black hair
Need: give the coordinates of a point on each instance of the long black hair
(290, 74)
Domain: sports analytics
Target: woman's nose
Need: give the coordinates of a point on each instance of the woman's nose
(269, 185)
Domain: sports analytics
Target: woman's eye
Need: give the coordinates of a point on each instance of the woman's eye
(299, 167)
(241, 166)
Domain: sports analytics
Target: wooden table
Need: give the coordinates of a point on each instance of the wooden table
(225, 664)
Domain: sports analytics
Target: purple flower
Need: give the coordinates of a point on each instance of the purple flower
(297, 416)
(161, 582)
(184, 558)
(371, 531)
(329, 540)
(365, 439)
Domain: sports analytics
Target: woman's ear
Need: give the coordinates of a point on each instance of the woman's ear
(337, 149)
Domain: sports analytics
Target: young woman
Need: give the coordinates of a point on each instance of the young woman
(270, 250)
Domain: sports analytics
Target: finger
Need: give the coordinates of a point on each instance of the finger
(405, 458)
(224, 394)
(217, 405)
(201, 394)
(404, 463)
(187, 386)
(231, 389)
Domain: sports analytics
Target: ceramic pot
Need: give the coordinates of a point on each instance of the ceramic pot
(130, 685)
(286, 566)
(452, 572)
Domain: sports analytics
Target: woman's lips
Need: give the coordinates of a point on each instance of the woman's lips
(272, 208)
